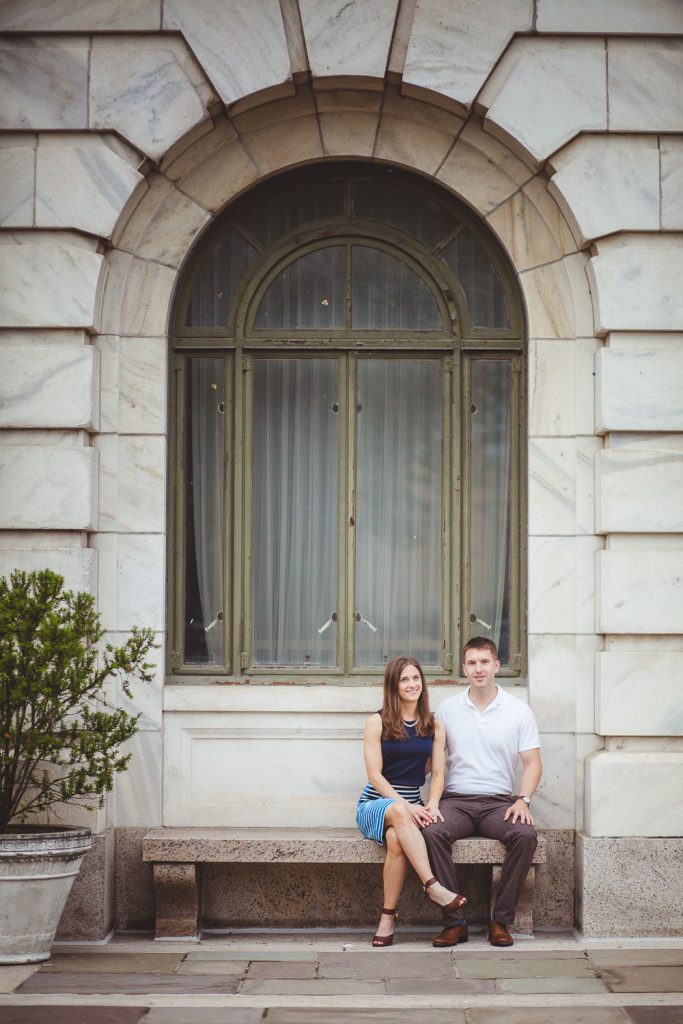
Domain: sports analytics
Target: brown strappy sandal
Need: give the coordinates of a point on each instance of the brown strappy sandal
(385, 940)
(455, 904)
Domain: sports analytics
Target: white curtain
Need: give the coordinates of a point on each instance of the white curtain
(398, 511)
(490, 495)
(207, 473)
(294, 540)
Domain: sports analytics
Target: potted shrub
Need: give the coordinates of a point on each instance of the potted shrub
(60, 744)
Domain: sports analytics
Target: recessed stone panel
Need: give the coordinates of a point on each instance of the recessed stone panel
(639, 390)
(640, 591)
(348, 38)
(48, 386)
(639, 491)
(639, 693)
(48, 286)
(636, 284)
(616, 16)
(633, 793)
(47, 488)
(78, 566)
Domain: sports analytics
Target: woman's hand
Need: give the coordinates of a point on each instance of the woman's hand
(432, 808)
(420, 815)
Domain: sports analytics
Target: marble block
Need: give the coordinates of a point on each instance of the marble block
(65, 16)
(639, 73)
(615, 16)
(44, 82)
(561, 485)
(132, 491)
(544, 92)
(481, 169)
(147, 88)
(48, 286)
(639, 591)
(562, 584)
(554, 802)
(132, 580)
(281, 134)
(137, 791)
(215, 170)
(48, 386)
(78, 566)
(625, 794)
(671, 150)
(639, 693)
(630, 496)
(636, 284)
(136, 296)
(453, 47)
(608, 183)
(531, 228)
(17, 173)
(163, 225)
(47, 488)
(242, 47)
(83, 182)
(562, 682)
(639, 390)
(348, 38)
(551, 309)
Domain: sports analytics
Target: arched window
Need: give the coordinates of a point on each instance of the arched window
(346, 463)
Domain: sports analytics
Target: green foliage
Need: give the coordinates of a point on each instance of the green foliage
(59, 737)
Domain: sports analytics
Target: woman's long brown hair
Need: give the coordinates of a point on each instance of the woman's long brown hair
(392, 720)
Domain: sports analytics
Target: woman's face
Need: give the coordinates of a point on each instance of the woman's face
(410, 683)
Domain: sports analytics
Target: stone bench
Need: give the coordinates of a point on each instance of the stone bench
(177, 856)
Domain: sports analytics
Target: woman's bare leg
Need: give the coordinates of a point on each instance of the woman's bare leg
(413, 845)
(395, 868)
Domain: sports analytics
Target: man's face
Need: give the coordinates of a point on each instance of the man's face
(480, 668)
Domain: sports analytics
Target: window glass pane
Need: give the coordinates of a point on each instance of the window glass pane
(484, 293)
(294, 542)
(204, 501)
(490, 501)
(273, 217)
(309, 293)
(215, 285)
(398, 511)
(389, 295)
(402, 208)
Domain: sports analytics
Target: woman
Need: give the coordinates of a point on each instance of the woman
(400, 740)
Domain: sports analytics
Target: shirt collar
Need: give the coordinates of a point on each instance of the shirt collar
(498, 699)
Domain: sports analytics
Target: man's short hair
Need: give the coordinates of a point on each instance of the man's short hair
(480, 643)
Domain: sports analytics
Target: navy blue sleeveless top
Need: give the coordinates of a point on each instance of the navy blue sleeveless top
(403, 761)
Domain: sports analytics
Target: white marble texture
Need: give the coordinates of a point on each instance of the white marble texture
(615, 779)
(48, 286)
(148, 88)
(616, 16)
(608, 183)
(561, 387)
(47, 488)
(48, 385)
(215, 168)
(531, 227)
(554, 802)
(147, 699)
(83, 183)
(545, 91)
(241, 47)
(636, 283)
(415, 134)
(348, 120)
(639, 693)
(164, 224)
(133, 396)
(561, 584)
(553, 682)
(551, 309)
(640, 73)
(132, 580)
(671, 151)
(17, 173)
(348, 37)
(561, 485)
(132, 489)
(281, 134)
(641, 590)
(137, 791)
(78, 566)
(639, 390)
(83, 16)
(481, 169)
(453, 47)
(586, 744)
(639, 491)
(43, 82)
(137, 296)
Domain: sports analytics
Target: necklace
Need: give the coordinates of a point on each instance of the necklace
(414, 722)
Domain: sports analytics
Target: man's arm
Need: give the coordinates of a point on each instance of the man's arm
(531, 776)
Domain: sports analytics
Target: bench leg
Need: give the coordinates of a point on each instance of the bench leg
(524, 916)
(177, 888)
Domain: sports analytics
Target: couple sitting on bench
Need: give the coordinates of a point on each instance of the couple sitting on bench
(471, 745)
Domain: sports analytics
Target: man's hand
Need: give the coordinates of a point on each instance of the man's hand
(420, 815)
(519, 811)
(434, 812)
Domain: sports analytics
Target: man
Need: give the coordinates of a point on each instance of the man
(487, 731)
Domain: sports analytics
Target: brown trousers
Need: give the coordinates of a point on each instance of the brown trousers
(483, 816)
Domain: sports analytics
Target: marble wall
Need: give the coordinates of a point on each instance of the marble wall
(126, 126)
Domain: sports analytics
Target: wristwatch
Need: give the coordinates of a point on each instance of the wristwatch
(526, 799)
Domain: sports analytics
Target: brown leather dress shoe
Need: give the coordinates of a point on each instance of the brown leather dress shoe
(499, 935)
(451, 936)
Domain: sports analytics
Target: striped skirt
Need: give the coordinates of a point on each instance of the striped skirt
(372, 807)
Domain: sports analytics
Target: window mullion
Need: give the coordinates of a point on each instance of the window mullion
(241, 577)
(349, 512)
(448, 507)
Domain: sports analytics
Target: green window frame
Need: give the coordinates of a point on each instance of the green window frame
(218, 337)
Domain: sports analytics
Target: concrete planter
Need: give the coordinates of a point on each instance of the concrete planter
(38, 865)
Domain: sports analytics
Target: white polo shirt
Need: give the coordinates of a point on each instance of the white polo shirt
(482, 747)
